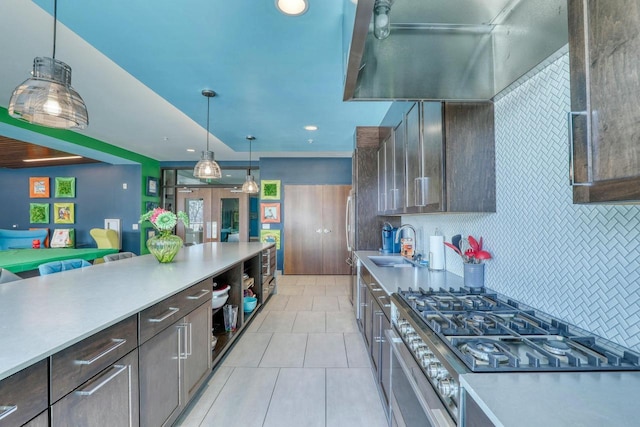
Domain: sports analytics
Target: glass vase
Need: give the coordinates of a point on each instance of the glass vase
(164, 246)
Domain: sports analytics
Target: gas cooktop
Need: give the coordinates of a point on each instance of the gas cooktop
(489, 332)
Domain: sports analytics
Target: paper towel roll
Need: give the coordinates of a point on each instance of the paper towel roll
(436, 252)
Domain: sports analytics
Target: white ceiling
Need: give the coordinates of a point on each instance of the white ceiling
(141, 66)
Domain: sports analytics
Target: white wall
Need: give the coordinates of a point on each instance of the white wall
(579, 263)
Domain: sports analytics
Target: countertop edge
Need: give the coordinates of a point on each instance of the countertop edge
(18, 314)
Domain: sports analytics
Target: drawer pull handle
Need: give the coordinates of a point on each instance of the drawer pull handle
(116, 342)
(171, 312)
(202, 293)
(6, 410)
(117, 369)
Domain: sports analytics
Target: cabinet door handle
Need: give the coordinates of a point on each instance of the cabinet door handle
(6, 410)
(572, 168)
(115, 371)
(190, 348)
(116, 342)
(326, 231)
(202, 293)
(319, 230)
(182, 355)
(171, 312)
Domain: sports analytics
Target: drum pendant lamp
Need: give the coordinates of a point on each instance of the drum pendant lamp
(207, 168)
(250, 185)
(47, 98)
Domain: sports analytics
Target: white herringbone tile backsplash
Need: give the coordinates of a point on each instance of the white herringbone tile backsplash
(579, 263)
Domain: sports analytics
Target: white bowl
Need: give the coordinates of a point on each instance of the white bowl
(219, 297)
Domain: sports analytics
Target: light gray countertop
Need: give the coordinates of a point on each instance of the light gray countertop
(593, 399)
(42, 315)
(392, 279)
(585, 399)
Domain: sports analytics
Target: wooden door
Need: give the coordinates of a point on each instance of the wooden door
(314, 230)
(334, 239)
(303, 229)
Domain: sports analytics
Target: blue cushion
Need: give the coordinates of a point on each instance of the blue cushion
(58, 266)
(14, 239)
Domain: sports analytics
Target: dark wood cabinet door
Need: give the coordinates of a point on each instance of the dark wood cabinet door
(470, 157)
(604, 48)
(198, 348)
(160, 376)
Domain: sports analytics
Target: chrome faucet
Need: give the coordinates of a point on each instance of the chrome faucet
(415, 237)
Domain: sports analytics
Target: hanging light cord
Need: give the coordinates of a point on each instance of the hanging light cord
(208, 104)
(55, 24)
(250, 141)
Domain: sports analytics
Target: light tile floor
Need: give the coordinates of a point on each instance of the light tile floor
(301, 362)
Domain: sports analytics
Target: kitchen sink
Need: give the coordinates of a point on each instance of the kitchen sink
(391, 261)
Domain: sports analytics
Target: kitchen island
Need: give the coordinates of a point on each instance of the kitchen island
(525, 398)
(44, 316)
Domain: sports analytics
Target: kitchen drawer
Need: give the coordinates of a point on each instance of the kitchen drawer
(76, 364)
(161, 315)
(24, 395)
(110, 398)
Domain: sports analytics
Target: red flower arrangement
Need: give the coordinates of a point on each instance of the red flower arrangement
(474, 254)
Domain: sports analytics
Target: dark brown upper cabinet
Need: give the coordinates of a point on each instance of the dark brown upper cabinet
(604, 124)
(448, 158)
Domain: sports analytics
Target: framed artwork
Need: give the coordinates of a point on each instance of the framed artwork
(149, 206)
(39, 187)
(39, 213)
(270, 236)
(65, 187)
(64, 213)
(150, 233)
(269, 212)
(152, 186)
(270, 189)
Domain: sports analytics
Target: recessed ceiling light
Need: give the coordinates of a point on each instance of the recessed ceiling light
(228, 175)
(191, 150)
(311, 127)
(292, 7)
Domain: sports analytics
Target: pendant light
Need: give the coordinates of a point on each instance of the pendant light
(207, 167)
(250, 185)
(47, 98)
(381, 22)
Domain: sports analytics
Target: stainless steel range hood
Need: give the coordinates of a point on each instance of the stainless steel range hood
(451, 49)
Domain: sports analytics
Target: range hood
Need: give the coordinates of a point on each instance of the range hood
(465, 50)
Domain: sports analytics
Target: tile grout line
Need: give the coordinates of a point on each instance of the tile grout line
(233, 369)
(264, 420)
(265, 350)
